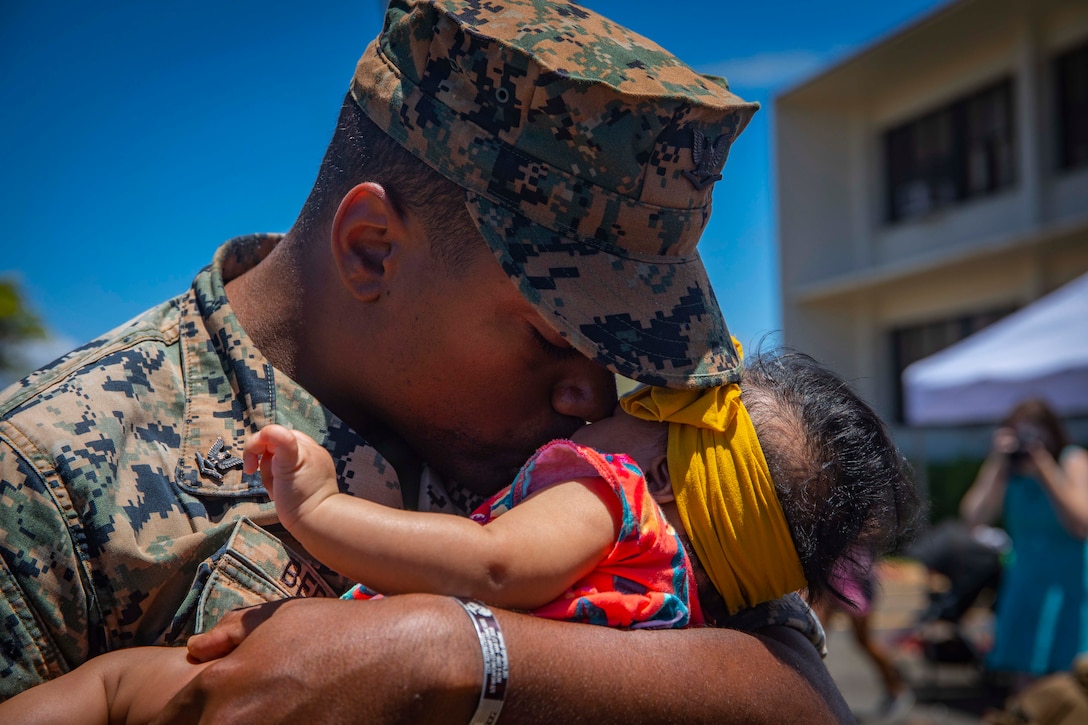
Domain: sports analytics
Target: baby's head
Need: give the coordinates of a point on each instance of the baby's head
(846, 491)
(843, 488)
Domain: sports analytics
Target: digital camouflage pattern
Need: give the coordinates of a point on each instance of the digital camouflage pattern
(123, 520)
(788, 611)
(111, 534)
(588, 154)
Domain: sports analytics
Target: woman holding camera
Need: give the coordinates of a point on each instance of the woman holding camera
(1040, 483)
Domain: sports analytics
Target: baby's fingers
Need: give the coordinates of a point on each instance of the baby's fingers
(258, 445)
(265, 443)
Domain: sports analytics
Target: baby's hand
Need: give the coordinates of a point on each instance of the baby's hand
(297, 472)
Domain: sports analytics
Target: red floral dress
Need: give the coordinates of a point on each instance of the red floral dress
(645, 581)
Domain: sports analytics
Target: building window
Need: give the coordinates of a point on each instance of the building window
(957, 152)
(911, 344)
(1071, 92)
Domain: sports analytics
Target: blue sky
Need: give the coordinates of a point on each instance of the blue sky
(136, 137)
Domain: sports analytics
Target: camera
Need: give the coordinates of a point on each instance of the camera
(1027, 437)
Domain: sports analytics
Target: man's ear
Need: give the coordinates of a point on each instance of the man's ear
(367, 232)
(658, 481)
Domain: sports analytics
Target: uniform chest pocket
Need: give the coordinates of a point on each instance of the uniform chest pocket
(252, 567)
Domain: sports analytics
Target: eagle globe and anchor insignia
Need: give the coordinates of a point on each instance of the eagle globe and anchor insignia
(709, 158)
(217, 462)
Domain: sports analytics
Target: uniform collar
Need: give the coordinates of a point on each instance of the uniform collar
(233, 391)
(229, 385)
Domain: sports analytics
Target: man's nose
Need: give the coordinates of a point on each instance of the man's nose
(587, 391)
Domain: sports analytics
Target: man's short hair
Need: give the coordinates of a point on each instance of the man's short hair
(360, 151)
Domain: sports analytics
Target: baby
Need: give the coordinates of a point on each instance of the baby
(770, 487)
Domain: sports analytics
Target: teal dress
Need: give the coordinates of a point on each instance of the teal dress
(1042, 605)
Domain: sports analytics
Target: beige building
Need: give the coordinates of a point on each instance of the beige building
(931, 184)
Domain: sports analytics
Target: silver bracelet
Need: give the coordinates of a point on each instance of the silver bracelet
(496, 662)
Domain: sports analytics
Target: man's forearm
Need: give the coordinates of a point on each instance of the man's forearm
(416, 658)
(562, 672)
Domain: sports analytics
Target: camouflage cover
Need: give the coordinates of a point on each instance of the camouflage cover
(588, 154)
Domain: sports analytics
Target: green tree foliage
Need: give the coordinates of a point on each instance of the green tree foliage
(18, 325)
(948, 481)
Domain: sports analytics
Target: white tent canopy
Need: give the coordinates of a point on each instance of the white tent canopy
(1038, 351)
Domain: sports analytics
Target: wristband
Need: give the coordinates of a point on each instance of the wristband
(496, 662)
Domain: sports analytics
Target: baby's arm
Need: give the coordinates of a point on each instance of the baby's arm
(521, 560)
(124, 686)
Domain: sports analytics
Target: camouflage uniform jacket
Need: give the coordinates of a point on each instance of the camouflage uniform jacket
(125, 518)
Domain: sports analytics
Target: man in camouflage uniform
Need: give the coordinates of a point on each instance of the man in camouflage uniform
(584, 156)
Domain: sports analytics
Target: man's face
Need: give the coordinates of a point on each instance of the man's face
(483, 381)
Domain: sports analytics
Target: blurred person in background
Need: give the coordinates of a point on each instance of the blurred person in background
(968, 557)
(856, 578)
(1038, 481)
(963, 567)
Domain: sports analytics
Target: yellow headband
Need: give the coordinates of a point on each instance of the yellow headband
(724, 492)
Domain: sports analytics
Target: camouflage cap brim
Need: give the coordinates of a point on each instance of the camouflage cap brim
(652, 318)
(588, 155)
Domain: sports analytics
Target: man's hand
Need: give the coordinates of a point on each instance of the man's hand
(411, 659)
(224, 637)
(416, 659)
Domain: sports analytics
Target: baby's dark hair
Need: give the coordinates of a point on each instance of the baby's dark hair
(846, 491)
